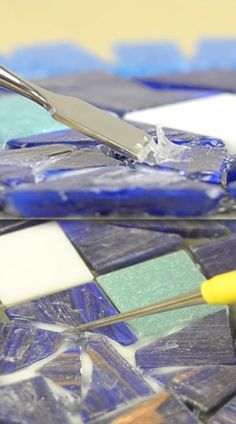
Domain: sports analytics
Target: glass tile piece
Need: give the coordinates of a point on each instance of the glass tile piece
(23, 117)
(232, 189)
(81, 304)
(119, 190)
(216, 257)
(106, 247)
(65, 370)
(55, 265)
(113, 381)
(22, 346)
(53, 59)
(107, 91)
(231, 169)
(225, 415)
(153, 281)
(12, 175)
(31, 402)
(73, 137)
(203, 342)
(162, 408)
(8, 226)
(202, 387)
(185, 228)
(213, 79)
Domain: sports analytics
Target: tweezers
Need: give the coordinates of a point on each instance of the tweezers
(90, 120)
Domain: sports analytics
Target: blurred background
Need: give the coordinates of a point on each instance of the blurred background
(96, 24)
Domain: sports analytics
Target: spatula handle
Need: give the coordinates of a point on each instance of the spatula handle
(13, 82)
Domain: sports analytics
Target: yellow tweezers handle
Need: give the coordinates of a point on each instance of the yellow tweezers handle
(220, 290)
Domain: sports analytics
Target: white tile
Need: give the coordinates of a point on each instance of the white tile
(37, 261)
(213, 116)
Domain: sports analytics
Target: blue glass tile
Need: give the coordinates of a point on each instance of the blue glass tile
(55, 59)
(215, 53)
(117, 190)
(185, 228)
(113, 381)
(203, 342)
(203, 387)
(31, 402)
(217, 256)
(214, 80)
(225, 415)
(72, 307)
(65, 370)
(57, 137)
(231, 169)
(162, 408)
(12, 175)
(147, 58)
(21, 346)
(232, 189)
(106, 247)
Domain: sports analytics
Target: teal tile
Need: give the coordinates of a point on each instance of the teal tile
(22, 118)
(153, 281)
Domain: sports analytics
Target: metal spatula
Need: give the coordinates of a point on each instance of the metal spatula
(84, 117)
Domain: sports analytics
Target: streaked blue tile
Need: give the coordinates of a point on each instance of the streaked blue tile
(225, 415)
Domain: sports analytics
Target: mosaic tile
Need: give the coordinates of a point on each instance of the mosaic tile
(202, 387)
(73, 137)
(153, 281)
(214, 79)
(203, 342)
(231, 169)
(22, 118)
(107, 91)
(216, 257)
(225, 415)
(161, 408)
(54, 265)
(12, 175)
(31, 402)
(113, 381)
(106, 247)
(185, 228)
(65, 370)
(117, 190)
(81, 304)
(22, 346)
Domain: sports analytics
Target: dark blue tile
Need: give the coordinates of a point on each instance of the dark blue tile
(106, 247)
(225, 415)
(23, 345)
(73, 137)
(31, 402)
(113, 381)
(231, 169)
(206, 341)
(115, 190)
(72, 307)
(203, 387)
(216, 257)
(65, 370)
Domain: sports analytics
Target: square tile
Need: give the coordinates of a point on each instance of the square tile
(44, 262)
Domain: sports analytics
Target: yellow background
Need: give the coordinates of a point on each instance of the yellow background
(95, 24)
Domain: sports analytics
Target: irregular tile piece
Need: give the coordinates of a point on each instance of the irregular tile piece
(23, 117)
(231, 169)
(44, 262)
(73, 137)
(185, 228)
(153, 281)
(203, 342)
(81, 304)
(214, 79)
(31, 402)
(161, 408)
(113, 381)
(182, 116)
(225, 415)
(232, 189)
(12, 175)
(104, 90)
(8, 226)
(65, 370)
(216, 257)
(119, 190)
(106, 247)
(22, 346)
(202, 387)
